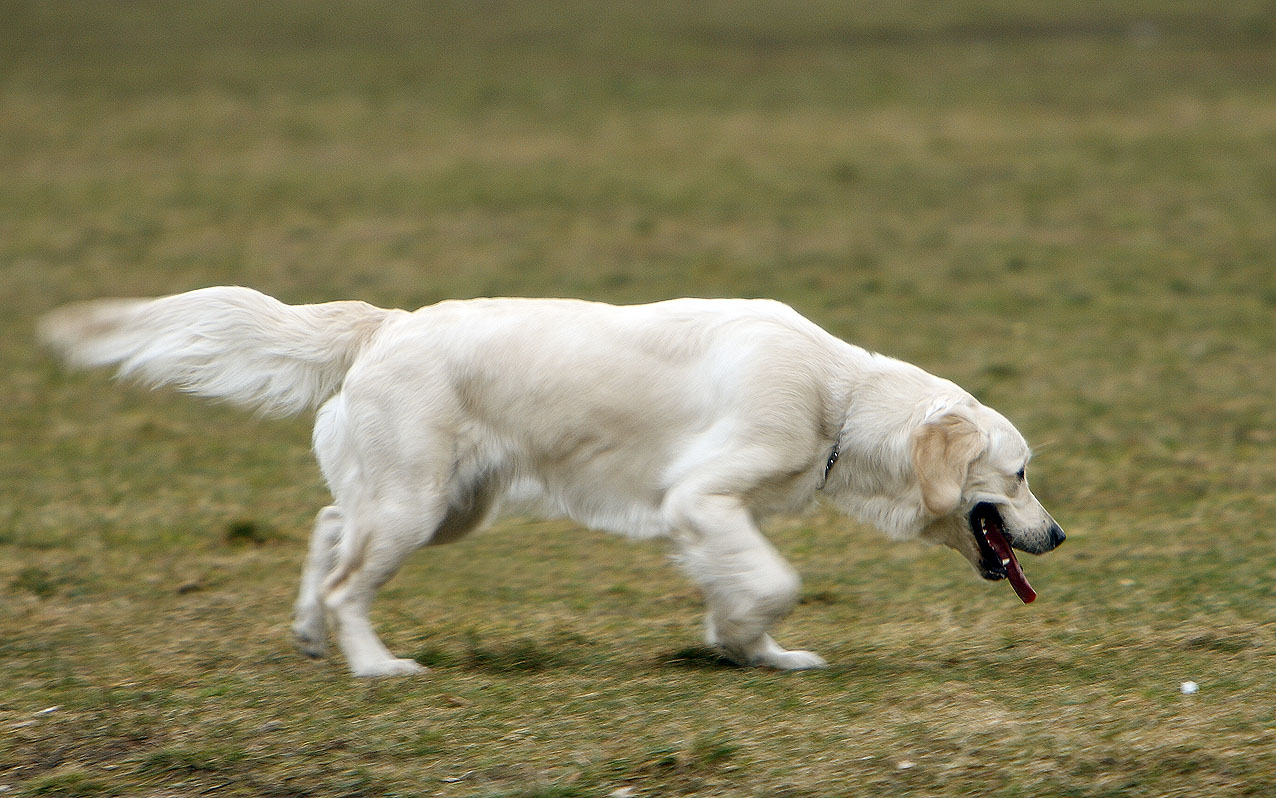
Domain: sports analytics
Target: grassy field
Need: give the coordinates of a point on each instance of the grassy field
(1068, 208)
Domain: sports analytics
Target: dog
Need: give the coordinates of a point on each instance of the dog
(689, 420)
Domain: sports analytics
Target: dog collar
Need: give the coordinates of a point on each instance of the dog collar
(833, 455)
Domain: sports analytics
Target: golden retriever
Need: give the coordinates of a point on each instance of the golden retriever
(690, 419)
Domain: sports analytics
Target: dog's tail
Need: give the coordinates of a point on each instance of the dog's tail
(224, 342)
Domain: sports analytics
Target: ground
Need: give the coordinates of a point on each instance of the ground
(1066, 208)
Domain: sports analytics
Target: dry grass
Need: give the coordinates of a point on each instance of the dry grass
(1065, 210)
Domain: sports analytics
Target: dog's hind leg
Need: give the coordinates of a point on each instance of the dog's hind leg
(747, 584)
(308, 618)
(403, 520)
(376, 541)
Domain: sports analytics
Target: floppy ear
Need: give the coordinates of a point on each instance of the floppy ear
(943, 450)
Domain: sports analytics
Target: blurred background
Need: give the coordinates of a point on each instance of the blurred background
(1067, 208)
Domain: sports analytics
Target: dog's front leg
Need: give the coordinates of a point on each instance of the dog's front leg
(747, 584)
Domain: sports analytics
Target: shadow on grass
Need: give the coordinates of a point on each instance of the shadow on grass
(520, 655)
(525, 655)
(697, 658)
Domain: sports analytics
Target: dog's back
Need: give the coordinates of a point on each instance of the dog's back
(593, 410)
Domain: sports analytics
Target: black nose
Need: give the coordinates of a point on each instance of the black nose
(1056, 535)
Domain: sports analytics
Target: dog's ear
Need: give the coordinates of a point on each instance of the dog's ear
(943, 450)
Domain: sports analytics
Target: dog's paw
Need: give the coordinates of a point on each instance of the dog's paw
(793, 660)
(310, 641)
(763, 652)
(314, 649)
(389, 667)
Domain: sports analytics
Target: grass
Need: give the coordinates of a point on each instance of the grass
(1065, 208)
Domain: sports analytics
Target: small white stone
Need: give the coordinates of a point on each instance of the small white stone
(1188, 688)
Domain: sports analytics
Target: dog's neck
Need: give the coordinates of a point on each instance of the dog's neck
(868, 471)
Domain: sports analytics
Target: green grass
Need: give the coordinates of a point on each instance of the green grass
(1066, 208)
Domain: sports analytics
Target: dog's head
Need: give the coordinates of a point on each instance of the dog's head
(971, 467)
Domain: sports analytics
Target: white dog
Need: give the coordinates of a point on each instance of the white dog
(689, 419)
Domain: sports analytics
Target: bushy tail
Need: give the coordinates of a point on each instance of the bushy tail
(225, 342)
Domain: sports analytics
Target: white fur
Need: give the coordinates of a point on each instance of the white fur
(689, 419)
(222, 342)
